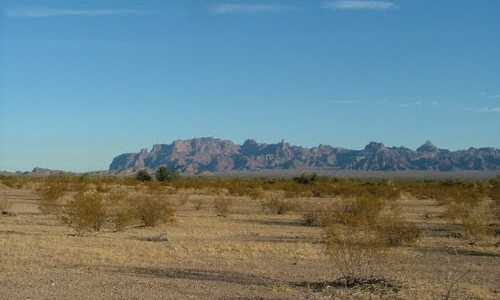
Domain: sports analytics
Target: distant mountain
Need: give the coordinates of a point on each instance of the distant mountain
(216, 155)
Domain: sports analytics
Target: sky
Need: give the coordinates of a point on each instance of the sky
(84, 81)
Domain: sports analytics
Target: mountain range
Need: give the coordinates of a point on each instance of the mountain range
(200, 155)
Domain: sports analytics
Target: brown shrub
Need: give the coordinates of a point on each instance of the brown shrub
(198, 203)
(274, 203)
(85, 212)
(396, 231)
(51, 192)
(152, 210)
(352, 211)
(5, 204)
(121, 211)
(223, 205)
(355, 250)
(15, 182)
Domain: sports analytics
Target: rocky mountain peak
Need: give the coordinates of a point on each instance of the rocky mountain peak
(375, 147)
(427, 147)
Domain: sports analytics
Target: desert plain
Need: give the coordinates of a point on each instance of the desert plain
(248, 251)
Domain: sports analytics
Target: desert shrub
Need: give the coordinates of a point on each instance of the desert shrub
(306, 178)
(223, 205)
(152, 210)
(102, 188)
(395, 231)
(183, 199)
(276, 204)
(256, 193)
(143, 175)
(361, 210)
(355, 250)
(50, 193)
(198, 203)
(316, 215)
(164, 174)
(473, 213)
(155, 188)
(12, 181)
(358, 234)
(5, 204)
(312, 218)
(121, 211)
(85, 212)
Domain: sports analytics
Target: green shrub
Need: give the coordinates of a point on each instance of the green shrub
(164, 174)
(143, 175)
(306, 178)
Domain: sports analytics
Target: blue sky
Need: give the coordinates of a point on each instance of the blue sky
(84, 81)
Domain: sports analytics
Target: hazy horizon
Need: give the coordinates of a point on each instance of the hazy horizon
(82, 82)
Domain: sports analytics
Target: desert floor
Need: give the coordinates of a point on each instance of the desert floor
(247, 255)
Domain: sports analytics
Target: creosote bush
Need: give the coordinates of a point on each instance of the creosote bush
(198, 203)
(152, 210)
(121, 212)
(51, 192)
(164, 174)
(276, 204)
(356, 250)
(394, 231)
(223, 205)
(358, 234)
(85, 212)
(143, 175)
(5, 204)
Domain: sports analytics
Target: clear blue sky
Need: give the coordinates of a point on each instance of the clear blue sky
(84, 81)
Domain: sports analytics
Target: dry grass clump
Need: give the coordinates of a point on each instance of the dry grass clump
(223, 205)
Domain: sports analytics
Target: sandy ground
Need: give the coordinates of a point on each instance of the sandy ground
(247, 255)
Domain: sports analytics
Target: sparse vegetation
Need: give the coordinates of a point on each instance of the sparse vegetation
(366, 223)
